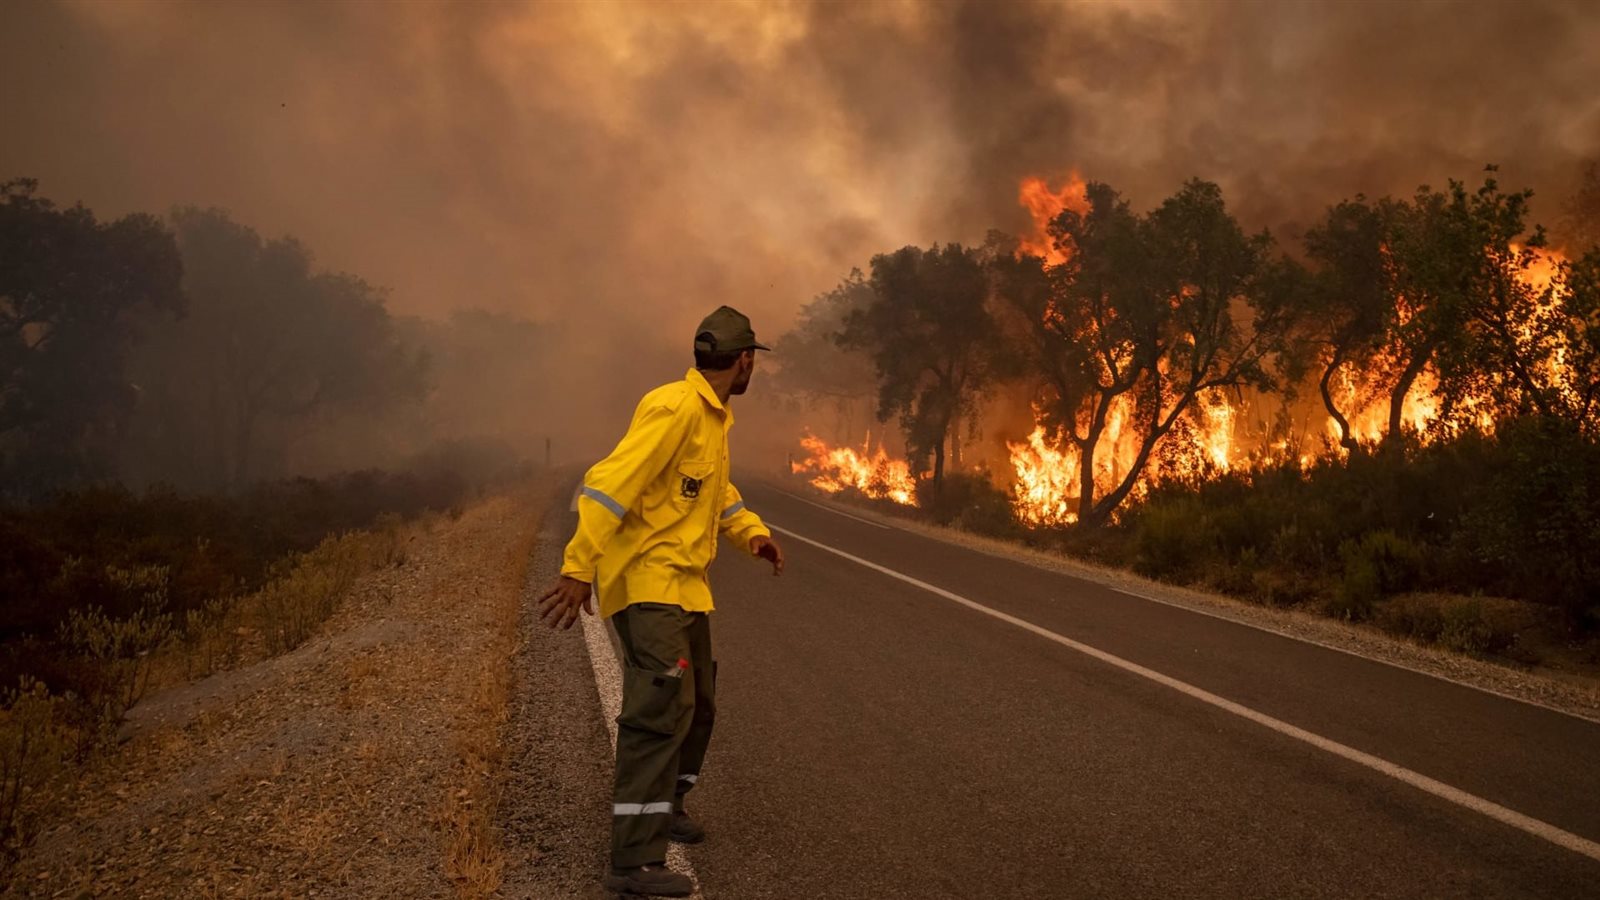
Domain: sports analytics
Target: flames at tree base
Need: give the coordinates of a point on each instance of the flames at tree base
(876, 475)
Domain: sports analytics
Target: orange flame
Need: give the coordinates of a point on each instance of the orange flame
(1044, 204)
(1216, 435)
(874, 474)
(1047, 480)
(1365, 403)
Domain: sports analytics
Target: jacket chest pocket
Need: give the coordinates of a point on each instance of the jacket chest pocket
(692, 482)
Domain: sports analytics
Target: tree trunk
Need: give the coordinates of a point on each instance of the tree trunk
(1086, 476)
(1100, 513)
(1346, 440)
(1086, 451)
(1397, 397)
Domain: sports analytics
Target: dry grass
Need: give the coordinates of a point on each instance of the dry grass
(304, 592)
(474, 857)
(130, 657)
(364, 763)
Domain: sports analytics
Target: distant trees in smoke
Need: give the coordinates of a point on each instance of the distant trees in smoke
(193, 352)
(74, 292)
(814, 371)
(267, 349)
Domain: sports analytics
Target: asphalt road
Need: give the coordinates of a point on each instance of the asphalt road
(876, 740)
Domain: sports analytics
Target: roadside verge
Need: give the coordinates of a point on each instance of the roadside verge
(352, 766)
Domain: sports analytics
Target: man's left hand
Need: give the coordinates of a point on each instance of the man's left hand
(768, 549)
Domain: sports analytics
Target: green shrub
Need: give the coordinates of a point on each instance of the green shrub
(1238, 580)
(1534, 520)
(1281, 587)
(1171, 540)
(59, 555)
(1380, 563)
(34, 742)
(117, 653)
(1419, 616)
(1484, 624)
(211, 637)
(1511, 514)
(969, 501)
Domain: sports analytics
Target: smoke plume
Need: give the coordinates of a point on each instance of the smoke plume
(614, 170)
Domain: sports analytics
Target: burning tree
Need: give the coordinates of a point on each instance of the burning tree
(1150, 344)
(931, 338)
(1144, 320)
(1346, 302)
(1533, 341)
(1430, 315)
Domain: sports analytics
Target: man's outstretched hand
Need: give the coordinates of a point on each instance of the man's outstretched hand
(768, 549)
(559, 606)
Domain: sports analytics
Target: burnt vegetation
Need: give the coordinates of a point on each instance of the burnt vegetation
(1395, 418)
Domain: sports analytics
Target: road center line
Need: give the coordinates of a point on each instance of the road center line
(608, 681)
(1528, 824)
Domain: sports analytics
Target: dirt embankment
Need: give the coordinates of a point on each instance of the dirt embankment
(366, 763)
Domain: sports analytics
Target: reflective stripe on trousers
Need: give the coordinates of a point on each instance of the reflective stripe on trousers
(640, 809)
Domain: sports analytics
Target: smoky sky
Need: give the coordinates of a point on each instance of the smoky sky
(619, 169)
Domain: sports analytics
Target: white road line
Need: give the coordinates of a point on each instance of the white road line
(837, 512)
(1223, 616)
(608, 681)
(1439, 789)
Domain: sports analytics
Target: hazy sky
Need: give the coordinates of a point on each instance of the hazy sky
(623, 168)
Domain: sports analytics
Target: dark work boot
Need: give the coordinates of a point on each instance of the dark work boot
(652, 881)
(683, 829)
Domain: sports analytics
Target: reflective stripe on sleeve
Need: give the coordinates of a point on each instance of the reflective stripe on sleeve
(733, 509)
(640, 809)
(603, 499)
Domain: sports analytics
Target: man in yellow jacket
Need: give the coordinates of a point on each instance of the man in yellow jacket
(648, 519)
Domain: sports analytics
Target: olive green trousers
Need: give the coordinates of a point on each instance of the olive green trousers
(668, 707)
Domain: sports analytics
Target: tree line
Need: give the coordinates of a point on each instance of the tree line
(190, 351)
(1149, 313)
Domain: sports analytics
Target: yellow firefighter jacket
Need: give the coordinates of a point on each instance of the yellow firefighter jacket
(649, 513)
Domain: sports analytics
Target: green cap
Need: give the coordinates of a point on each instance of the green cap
(725, 331)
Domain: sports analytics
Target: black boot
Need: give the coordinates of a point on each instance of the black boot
(651, 880)
(683, 829)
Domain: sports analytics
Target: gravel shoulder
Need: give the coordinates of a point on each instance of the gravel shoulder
(345, 768)
(1568, 692)
(555, 812)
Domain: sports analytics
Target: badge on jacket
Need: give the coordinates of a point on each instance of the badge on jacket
(691, 488)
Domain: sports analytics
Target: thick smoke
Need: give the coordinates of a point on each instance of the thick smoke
(617, 170)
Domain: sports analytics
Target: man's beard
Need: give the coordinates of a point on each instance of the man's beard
(739, 386)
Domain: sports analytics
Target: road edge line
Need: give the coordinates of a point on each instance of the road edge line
(1488, 808)
(1219, 615)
